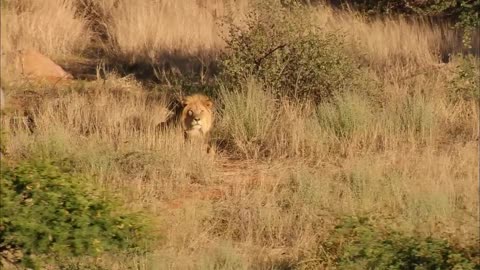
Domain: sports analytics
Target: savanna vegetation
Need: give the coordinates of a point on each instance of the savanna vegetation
(346, 138)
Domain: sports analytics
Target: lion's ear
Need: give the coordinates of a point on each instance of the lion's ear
(209, 103)
(184, 101)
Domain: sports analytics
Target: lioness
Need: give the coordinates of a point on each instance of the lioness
(197, 116)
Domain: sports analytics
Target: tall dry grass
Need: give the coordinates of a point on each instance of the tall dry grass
(110, 130)
(394, 47)
(150, 30)
(263, 214)
(145, 31)
(256, 125)
(290, 213)
(52, 27)
(402, 153)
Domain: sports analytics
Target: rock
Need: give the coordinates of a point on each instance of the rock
(38, 66)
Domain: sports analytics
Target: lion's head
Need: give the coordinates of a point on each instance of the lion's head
(197, 115)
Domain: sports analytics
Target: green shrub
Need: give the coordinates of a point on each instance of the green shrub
(45, 211)
(361, 246)
(465, 84)
(279, 46)
(468, 20)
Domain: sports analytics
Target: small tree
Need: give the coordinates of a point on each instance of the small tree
(279, 46)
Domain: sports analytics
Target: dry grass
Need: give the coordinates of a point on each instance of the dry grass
(51, 27)
(112, 132)
(402, 154)
(252, 213)
(149, 29)
(394, 47)
(259, 126)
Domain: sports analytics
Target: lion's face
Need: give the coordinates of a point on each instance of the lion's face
(197, 115)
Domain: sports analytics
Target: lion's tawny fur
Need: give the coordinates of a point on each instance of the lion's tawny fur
(197, 116)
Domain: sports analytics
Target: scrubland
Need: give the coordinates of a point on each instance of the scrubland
(373, 169)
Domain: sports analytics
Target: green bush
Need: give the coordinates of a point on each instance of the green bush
(465, 84)
(361, 246)
(45, 211)
(279, 46)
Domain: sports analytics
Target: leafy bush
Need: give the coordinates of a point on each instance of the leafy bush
(47, 211)
(361, 246)
(465, 84)
(279, 46)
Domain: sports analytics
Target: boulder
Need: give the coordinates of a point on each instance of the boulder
(38, 66)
